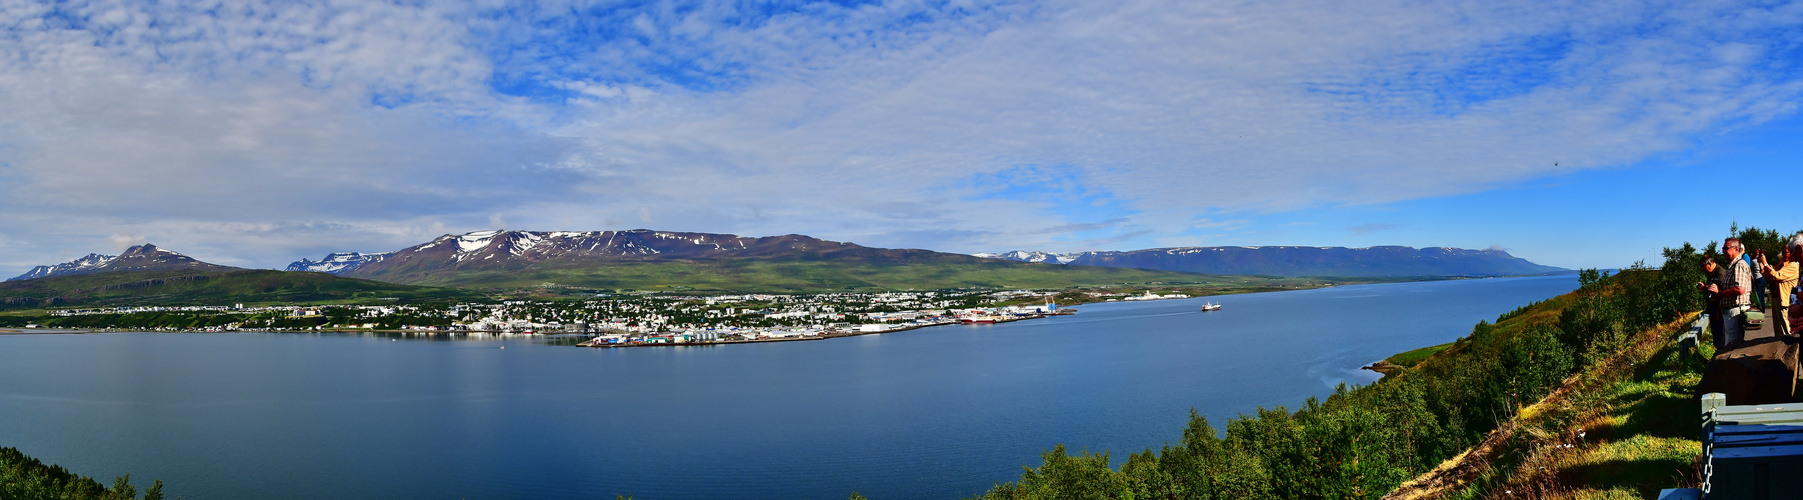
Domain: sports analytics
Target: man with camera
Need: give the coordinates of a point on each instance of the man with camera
(1733, 293)
(1712, 304)
(1782, 278)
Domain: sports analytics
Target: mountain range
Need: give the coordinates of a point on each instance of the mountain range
(336, 263)
(526, 261)
(1379, 261)
(145, 257)
(644, 259)
(147, 275)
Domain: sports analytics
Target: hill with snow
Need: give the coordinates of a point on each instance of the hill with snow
(337, 263)
(144, 257)
(643, 258)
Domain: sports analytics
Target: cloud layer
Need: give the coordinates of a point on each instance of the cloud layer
(254, 134)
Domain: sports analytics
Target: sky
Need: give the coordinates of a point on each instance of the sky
(254, 134)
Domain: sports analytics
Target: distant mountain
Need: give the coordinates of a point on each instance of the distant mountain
(147, 275)
(82, 265)
(1025, 256)
(144, 257)
(1381, 261)
(514, 250)
(643, 258)
(338, 263)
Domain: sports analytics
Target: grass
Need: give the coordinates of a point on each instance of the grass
(130, 288)
(1412, 358)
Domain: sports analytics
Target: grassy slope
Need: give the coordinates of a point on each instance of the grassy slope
(1623, 428)
(206, 288)
(1411, 358)
(825, 276)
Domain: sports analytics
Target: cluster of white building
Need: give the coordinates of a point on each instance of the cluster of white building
(649, 319)
(1151, 296)
(876, 323)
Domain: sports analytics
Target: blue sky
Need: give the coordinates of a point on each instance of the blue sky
(1584, 134)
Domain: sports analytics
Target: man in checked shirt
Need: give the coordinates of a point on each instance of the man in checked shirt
(1734, 292)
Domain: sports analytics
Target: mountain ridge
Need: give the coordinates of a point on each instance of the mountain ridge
(337, 262)
(146, 257)
(1293, 261)
(640, 258)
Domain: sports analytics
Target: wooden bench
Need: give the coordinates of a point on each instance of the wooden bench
(1752, 452)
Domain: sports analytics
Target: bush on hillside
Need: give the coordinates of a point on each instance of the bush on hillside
(23, 477)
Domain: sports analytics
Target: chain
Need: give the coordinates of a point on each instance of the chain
(1708, 451)
(1708, 466)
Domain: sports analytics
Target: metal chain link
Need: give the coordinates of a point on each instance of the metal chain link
(1708, 451)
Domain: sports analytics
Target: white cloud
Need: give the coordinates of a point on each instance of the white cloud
(1182, 107)
(256, 131)
(122, 241)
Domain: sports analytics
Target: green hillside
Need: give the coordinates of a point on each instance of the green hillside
(1365, 441)
(127, 288)
(813, 276)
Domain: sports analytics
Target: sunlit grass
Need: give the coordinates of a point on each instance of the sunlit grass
(1411, 358)
(1627, 437)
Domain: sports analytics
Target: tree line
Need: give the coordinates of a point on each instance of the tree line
(23, 477)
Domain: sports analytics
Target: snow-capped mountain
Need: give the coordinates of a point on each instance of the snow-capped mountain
(1025, 256)
(338, 263)
(144, 257)
(516, 250)
(1302, 261)
(82, 265)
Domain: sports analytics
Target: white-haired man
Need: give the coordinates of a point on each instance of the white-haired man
(1734, 292)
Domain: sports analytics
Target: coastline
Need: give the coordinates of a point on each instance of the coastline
(34, 331)
(807, 338)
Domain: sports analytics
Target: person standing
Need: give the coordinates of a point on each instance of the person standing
(1712, 304)
(1784, 277)
(1734, 292)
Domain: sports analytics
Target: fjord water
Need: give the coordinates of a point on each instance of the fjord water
(940, 412)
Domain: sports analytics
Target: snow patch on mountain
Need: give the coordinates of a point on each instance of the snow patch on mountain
(146, 257)
(337, 263)
(1026, 256)
(476, 241)
(82, 265)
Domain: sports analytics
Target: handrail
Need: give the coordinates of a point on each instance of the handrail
(1687, 342)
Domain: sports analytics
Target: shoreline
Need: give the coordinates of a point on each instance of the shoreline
(802, 338)
(1384, 367)
(37, 331)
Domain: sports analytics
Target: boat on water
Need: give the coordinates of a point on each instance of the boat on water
(1211, 307)
(972, 320)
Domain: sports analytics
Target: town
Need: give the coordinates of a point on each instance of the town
(620, 320)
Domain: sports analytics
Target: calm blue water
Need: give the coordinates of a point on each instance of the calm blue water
(935, 413)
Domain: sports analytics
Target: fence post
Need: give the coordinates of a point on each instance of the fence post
(1714, 401)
